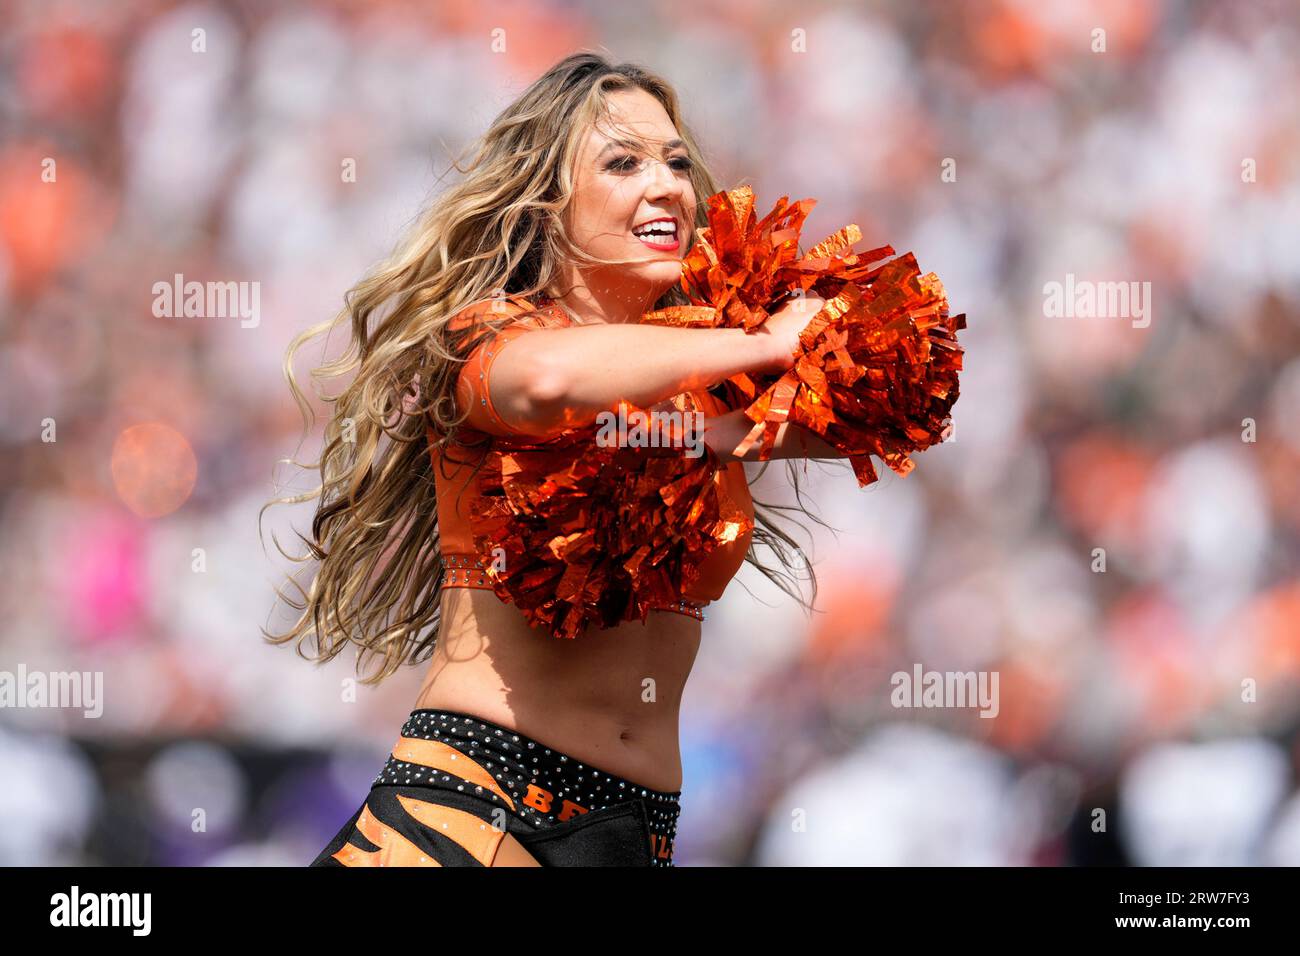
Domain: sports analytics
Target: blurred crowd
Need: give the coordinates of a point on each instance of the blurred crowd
(1113, 528)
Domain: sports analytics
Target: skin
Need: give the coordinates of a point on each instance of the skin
(611, 698)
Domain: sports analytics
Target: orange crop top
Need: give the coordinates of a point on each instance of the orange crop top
(464, 567)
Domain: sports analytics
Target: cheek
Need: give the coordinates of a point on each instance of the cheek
(607, 212)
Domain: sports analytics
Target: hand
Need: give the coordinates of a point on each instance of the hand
(782, 328)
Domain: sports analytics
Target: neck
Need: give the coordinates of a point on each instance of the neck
(595, 302)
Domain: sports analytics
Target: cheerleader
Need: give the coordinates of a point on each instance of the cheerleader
(509, 317)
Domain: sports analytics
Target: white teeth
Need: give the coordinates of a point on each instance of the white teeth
(656, 228)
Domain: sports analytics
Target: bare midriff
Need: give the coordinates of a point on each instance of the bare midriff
(610, 698)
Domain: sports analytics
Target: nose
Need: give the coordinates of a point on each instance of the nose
(664, 182)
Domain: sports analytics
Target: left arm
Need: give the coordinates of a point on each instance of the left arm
(724, 432)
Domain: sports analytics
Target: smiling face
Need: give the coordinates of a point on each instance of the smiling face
(632, 171)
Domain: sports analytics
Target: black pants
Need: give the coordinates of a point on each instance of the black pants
(455, 784)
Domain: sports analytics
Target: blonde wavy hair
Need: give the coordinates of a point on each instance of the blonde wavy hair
(500, 229)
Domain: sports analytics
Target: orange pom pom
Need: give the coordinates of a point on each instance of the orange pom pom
(876, 371)
(579, 532)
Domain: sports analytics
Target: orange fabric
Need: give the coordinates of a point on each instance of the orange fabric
(394, 849)
(472, 384)
(440, 756)
(454, 488)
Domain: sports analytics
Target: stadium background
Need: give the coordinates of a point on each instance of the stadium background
(1162, 691)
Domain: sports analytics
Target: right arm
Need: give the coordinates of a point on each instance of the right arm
(548, 380)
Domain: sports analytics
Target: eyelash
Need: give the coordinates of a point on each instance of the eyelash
(620, 163)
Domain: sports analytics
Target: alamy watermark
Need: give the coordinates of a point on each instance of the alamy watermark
(84, 689)
(208, 300)
(657, 429)
(947, 689)
(1084, 299)
(76, 908)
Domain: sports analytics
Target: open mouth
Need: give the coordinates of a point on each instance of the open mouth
(658, 234)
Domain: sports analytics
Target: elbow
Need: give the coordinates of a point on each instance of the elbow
(547, 396)
(547, 386)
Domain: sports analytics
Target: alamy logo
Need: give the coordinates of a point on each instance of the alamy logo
(659, 429)
(83, 689)
(1083, 299)
(946, 689)
(208, 300)
(102, 909)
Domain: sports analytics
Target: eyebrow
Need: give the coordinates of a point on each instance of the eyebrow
(628, 144)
